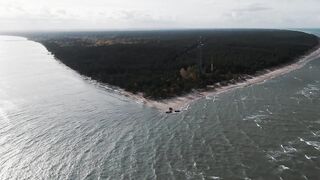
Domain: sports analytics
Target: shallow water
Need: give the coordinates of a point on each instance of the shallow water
(54, 124)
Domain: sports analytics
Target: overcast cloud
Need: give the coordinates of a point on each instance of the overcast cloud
(157, 14)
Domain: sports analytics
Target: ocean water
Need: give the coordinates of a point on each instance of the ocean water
(55, 124)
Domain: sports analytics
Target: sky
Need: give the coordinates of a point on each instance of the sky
(29, 15)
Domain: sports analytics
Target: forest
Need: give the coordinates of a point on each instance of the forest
(164, 64)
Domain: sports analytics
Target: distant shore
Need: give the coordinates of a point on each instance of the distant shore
(171, 70)
(166, 65)
(183, 102)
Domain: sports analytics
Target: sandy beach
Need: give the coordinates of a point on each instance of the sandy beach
(183, 102)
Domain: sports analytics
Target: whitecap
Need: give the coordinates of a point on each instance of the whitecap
(208, 98)
(244, 98)
(300, 139)
(288, 149)
(271, 157)
(283, 167)
(215, 177)
(314, 144)
(307, 157)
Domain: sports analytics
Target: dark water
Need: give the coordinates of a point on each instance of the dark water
(56, 125)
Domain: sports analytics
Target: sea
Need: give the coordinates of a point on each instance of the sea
(57, 124)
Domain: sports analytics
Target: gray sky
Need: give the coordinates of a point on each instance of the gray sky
(21, 15)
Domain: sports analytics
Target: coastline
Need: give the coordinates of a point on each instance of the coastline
(182, 102)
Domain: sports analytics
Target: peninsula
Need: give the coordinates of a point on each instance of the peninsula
(165, 64)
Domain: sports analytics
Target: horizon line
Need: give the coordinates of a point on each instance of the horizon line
(151, 29)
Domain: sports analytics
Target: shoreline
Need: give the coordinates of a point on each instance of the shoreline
(182, 102)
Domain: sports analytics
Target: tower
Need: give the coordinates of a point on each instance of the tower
(200, 60)
(211, 67)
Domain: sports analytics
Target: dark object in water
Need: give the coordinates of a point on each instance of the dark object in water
(170, 111)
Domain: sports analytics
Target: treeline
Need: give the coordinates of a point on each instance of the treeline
(163, 64)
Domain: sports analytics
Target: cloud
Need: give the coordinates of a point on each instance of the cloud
(253, 8)
(135, 16)
(158, 14)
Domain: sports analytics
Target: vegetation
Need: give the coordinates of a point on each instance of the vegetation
(163, 64)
